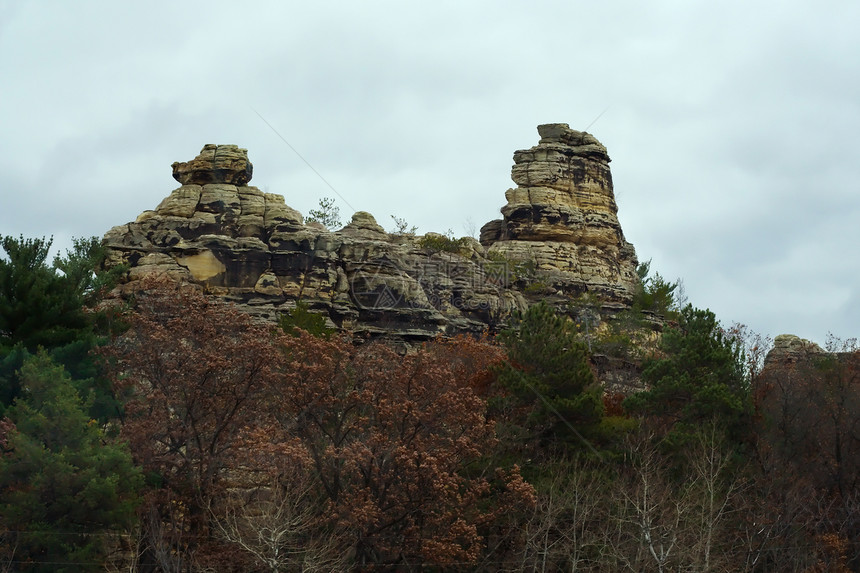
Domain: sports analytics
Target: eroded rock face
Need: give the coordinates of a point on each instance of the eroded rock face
(215, 164)
(559, 238)
(789, 349)
(562, 217)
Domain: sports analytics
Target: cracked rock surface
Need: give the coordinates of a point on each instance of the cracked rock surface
(559, 238)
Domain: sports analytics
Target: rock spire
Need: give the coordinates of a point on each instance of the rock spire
(562, 216)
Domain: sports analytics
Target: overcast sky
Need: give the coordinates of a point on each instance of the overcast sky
(734, 126)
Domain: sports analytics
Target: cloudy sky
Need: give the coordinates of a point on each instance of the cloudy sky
(734, 127)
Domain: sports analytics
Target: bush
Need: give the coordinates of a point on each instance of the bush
(446, 243)
(301, 318)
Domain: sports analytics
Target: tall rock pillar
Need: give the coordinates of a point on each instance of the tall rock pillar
(562, 218)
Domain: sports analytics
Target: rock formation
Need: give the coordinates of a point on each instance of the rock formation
(562, 216)
(559, 238)
(791, 349)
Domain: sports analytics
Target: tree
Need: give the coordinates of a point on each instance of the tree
(190, 370)
(83, 270)
(38, 307)
(392, 439)
(567, 528)
(654, 293)
(401, 227)
(279, 517)
(328, 214)
(548, 372)
(54, 308)
(808, 449)
(229, 422)
(63, 483)
(697, 376)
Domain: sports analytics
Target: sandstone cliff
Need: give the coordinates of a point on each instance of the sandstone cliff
(559, 238)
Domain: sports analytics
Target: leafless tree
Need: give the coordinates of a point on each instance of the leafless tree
(563, 531)
(282, 525)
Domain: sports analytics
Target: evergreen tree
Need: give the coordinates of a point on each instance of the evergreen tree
(38, 306)
(697, 377)
(549, 371)
(63, 484)
(654, 293)
(328, 213)
(54, 308)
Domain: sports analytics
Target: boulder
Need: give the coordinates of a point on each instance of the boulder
(215, 164)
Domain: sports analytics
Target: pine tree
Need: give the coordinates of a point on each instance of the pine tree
(698, 376)
(63, 483)
(549, 371)
(38, 307)
(53, 307)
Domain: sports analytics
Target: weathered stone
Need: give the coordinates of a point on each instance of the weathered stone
(268, 284)
(559, 238)
(182, 202)
(364, 225)
(203, 265)
(788, 348)
(215, 164)
(561, 218)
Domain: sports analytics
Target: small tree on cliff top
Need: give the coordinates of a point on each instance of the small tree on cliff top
(328, 214)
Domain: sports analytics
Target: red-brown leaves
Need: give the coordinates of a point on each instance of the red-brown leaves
(390, 436)
(191, 371)
(216, 405)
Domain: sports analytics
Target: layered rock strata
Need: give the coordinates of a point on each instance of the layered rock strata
(562, 217)
(559, 238)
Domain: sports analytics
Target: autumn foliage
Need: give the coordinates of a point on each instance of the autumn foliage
(389, 447)
(241, 446)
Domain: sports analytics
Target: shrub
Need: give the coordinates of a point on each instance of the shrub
(446, 243)
(301, 318)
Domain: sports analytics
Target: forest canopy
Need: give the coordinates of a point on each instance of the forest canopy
(171, 432)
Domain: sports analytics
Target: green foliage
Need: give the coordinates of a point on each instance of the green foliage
(38, 306)
(54, 308)
(698, 377)
(328, 214)
(301, 318)
(10, 383)
(550, 372)
(82, 268)
(445, 243)
(62, 484)
(401, 227)
(655, 294)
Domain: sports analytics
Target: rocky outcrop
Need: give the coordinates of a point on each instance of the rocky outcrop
(562, 217)
(216, 164)
(791, 349)
(559, 238)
